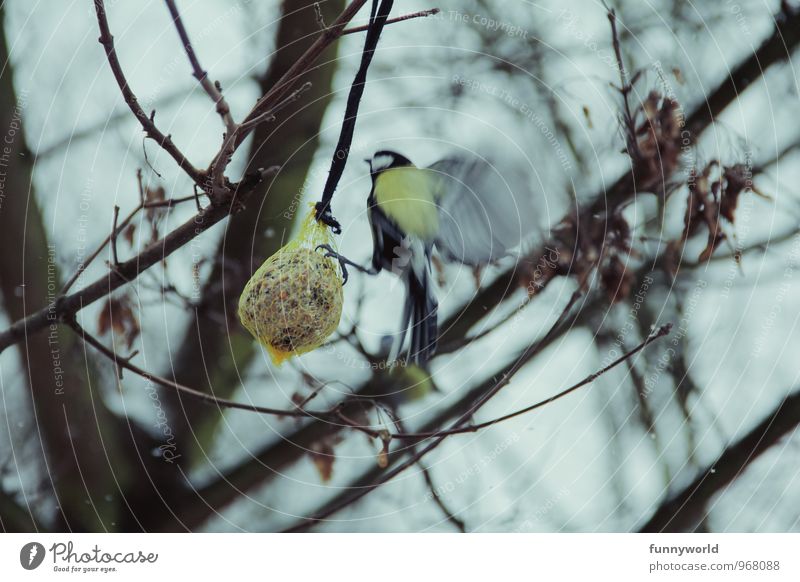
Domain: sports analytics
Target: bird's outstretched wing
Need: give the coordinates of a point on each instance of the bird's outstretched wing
(483, 211)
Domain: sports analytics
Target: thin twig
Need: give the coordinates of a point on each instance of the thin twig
(68, 305)
(625, 88)
(318, 15)
(437, 499)
(83, 266)
(197, 198)
(270, 115)
(214, 91)
(506, 376)
(114, 233)
(420, 14)
(659, 333)
(432, 489)
(169, 203)
(140, 185)
(273, 100)
(458, 427)
(164, 141)
(290, 77)
(166, 383)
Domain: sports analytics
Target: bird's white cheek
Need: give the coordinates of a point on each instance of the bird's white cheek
(381, 163)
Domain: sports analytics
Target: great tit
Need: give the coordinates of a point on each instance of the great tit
(462, 206)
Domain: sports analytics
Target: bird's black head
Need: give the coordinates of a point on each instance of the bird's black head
(385, 159)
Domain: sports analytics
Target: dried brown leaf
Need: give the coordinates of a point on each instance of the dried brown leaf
(323, 457)
(117, 316)
(129, 233)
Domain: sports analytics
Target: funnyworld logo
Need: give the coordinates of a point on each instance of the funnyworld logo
(31, 555)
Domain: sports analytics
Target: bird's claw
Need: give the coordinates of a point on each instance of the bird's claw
(334, 255)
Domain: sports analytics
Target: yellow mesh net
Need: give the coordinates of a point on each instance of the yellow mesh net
(293, 302)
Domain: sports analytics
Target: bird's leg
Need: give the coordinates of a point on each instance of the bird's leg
(344, 261)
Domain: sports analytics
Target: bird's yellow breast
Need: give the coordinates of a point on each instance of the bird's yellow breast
(405, 195)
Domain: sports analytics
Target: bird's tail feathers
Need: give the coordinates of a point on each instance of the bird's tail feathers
(419, 319)
(422, 324)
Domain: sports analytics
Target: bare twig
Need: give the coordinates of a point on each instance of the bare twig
(437, 499)
(270, 115)
(318, 15)
(117, 230)
(114, 233)
(268, 104)
(432, 489)
(133, 267)
(214, 91)
(197, 198)
(420, 14)
(124, 362)
(171, 202)
(625, 89)
(496, 386)
(147, 123)
(659, 333)
(140, 185)
(205, 218)
(459, 428)
(290, 77)
(82, 267)
(211, 88)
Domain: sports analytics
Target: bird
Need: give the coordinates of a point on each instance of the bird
(461, 207)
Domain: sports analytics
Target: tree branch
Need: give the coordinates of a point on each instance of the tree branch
(214, 91)
(290, 77)
(129, 270)
(211, 88)
(420, 14)
(147, 123)
(688, 508)
(659, 333)
(125, 362)
(776, 48)
(458, 427)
